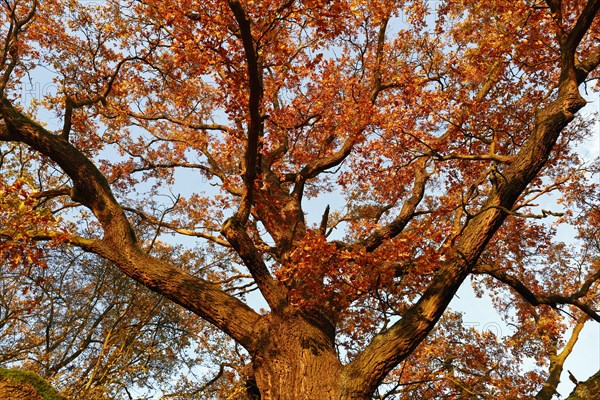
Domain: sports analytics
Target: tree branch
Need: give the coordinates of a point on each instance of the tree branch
(552, 300)
(91, 245)
(585, 20)
(408, 211)
(255, 99)
(587, 65)
(557, 362)
(177, 121)
(392, 346)
(91, 189)
(175, 228)
(274, 294)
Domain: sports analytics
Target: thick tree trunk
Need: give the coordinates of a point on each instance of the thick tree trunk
(295, 360)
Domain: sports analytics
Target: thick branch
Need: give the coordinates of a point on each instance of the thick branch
(255, 99)
(585, 20)
(392, 346)
(236, 234)
(91, 189)
(587, 390)
(91, 245)
(319, 165)
(587, 65)
(557, 363)
(570, 76)
(377, 85)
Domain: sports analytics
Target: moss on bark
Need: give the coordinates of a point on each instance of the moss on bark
(18, 385)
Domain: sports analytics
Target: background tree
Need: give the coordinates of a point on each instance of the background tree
(435, 132)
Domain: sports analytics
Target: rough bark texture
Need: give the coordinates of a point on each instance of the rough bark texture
(588, 390)
(292, 357)
(295, 360)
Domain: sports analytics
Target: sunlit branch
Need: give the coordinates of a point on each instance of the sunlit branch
(232, 278)
(177, 121)
(175, 228)
(544, 214)
(52, 193)
(119, 244)
(557, 361)
(242, 290)
(538, 193)
(409, 208)
(47, 235)
(478, 157)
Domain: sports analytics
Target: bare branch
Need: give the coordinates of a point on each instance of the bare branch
(175, 228)
(177, 121)
(552, 300)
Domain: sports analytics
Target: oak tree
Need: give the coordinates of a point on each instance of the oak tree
(358, 160)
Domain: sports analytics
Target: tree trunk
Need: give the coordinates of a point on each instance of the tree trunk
(295, 360)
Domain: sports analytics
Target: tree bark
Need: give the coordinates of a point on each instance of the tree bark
(295, 360)
(587, 390)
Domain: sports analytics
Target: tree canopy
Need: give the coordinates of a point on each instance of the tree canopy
(352, 162)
